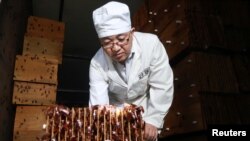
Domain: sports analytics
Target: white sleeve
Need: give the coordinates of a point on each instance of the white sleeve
(161, 87)
(98, 87)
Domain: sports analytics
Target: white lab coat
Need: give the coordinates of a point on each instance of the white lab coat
(150, 82)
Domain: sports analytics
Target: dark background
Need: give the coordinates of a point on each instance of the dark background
(209, 54)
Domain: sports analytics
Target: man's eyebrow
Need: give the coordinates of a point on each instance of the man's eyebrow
(111, 37)
(123, 34)
(106, 38)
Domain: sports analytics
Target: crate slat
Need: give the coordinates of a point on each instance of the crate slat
(215, 73)
(185, 114)
(28, 123)
(48, 28)
(34, 69)
(42, 47)
(34, 93)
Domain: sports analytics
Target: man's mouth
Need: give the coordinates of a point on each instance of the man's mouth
(118, 55)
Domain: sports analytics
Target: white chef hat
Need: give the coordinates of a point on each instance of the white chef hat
(111, 19)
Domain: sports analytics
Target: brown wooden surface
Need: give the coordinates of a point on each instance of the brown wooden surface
(205, 30)
(209, 72)
(175, 37)
(241, 66)
(237, 39)
(215, 73)
(170, 11)
(157, 6)
(140, 18)
(231, 109)
(34, 93)
(34, 69)
(46, 28)
(149, 27)
(29, 122)
(167, 20)
(235, 13)
(185, 115)
(43, 47)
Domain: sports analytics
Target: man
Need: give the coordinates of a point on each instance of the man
(130, 67)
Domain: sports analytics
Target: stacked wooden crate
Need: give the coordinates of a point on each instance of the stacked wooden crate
(207, 48)
(185, 115)
(35, 75)
(206, 29)
(168, 20)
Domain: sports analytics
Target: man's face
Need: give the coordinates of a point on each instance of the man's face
(118, 47)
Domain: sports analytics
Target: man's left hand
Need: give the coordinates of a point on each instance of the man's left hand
(150, 133)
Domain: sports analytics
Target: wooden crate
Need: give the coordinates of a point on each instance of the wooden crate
(43, 47)
(205, 30)
(35, 69)
(148, 27)
(210, 72)
(237, 39)
(46, 28)
(174, 35)
(241, 65)
(29, 122)
(158, 6)
(185, 114)
(218, 108)
(232, 17)
(166, 18)
(34, 93)
(140, 18)
(168, 7)
(215, 73)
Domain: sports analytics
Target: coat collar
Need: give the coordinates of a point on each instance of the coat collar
(136, 62)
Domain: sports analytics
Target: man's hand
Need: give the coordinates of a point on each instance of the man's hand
(150, 133)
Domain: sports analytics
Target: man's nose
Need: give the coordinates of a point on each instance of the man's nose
(115, 47)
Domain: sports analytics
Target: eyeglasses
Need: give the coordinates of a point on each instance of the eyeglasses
(120, 42)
